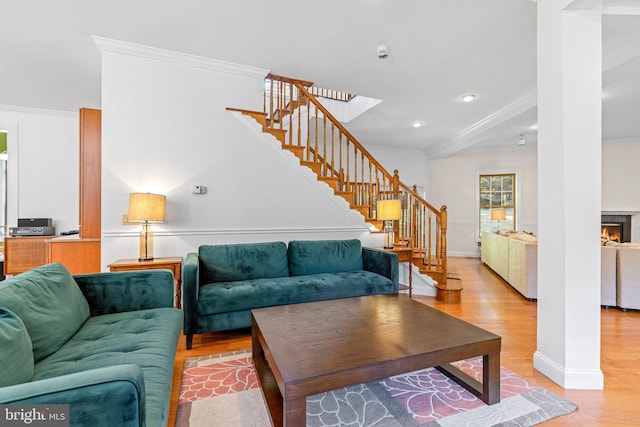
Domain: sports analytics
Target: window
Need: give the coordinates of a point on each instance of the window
(497, 196)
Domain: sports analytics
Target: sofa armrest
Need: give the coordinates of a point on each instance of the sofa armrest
(382, 262)
(114, 292)
(115, 390)
(190, 288)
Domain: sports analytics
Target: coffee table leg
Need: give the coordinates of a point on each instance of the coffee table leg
(268, 385)
(491, 378)
(295, 412)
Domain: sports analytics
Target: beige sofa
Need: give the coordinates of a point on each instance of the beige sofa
(515, 259)
(628, 276)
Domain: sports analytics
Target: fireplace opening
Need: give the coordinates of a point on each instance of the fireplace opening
(616, 228)
(612, 232)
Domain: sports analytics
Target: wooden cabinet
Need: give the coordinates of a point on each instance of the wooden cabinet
(78, 255)
(172, 263)
(23, 253)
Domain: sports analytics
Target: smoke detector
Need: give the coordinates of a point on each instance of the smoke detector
(521, 141)
(382, 51)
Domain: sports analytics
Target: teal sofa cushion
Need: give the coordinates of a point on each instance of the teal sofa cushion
(147, 338)
(324, 256)
(16, 353)
(224, 297)
(227, 263)
(50, 304)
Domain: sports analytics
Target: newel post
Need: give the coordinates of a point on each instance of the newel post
(395, 183)
(443, 242)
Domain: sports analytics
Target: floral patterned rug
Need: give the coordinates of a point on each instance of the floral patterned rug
(223, 390)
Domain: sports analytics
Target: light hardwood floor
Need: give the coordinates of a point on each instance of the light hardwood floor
(488, 302)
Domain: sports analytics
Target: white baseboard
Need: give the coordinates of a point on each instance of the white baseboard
(464, 254)
(578, 379)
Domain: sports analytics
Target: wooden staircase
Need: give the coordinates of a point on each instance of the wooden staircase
(304, 127)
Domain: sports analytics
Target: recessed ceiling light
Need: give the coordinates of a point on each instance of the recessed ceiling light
(468, 97)
(417, 124)
(535, 127)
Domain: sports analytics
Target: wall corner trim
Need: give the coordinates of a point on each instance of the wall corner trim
(110, 45)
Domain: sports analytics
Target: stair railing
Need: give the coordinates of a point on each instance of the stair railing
(344, 163)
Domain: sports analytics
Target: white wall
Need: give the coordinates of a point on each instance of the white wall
(165, 127)
(454, 182)
(43, 169)
(411, 164)
(620, 175)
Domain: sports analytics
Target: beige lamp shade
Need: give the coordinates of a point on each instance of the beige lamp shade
(388, 210)
(146, 207)
(498, 215)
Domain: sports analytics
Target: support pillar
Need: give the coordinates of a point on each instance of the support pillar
(569, 191)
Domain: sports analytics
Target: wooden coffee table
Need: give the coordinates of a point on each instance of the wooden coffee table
(303, 349)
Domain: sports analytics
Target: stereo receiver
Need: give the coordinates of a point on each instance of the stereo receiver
(32, 231)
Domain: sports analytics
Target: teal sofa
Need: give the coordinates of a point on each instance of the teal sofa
(102, 343)
(223, 283)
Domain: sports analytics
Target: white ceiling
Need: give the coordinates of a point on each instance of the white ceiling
(438, 51)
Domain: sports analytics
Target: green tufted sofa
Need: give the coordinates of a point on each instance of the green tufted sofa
(103, 343)
(222, 283)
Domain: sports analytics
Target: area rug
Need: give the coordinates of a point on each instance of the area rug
(223, 390)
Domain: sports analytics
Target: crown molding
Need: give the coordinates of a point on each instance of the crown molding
(620, 56)
(39, 111)
(126, 48)
(621, 10)
(465, 138)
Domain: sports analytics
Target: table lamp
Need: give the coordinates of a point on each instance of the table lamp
(388, 211)
(498, 215)
(146, 208)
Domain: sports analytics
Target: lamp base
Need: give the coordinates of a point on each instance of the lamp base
(389, 235)
(146, 243)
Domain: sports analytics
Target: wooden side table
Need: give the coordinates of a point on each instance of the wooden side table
(173, 263)
(405, 255)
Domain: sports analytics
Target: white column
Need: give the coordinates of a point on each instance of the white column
(569, 181)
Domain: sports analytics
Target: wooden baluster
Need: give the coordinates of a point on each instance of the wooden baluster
(315, 152)
(308, 150)
(377, 190)
(333, 151)
(340, 153)
(324, 145)
(369, 191)
(300, 104)
(429, 243)
(361, 193)
(290, 111)
(443, 239)
(355, 169)
(279, 108)
(264, 94)
(271, 105)
(348, 161)
(438, 261)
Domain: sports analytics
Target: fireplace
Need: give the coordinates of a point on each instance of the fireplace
(616, 228)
